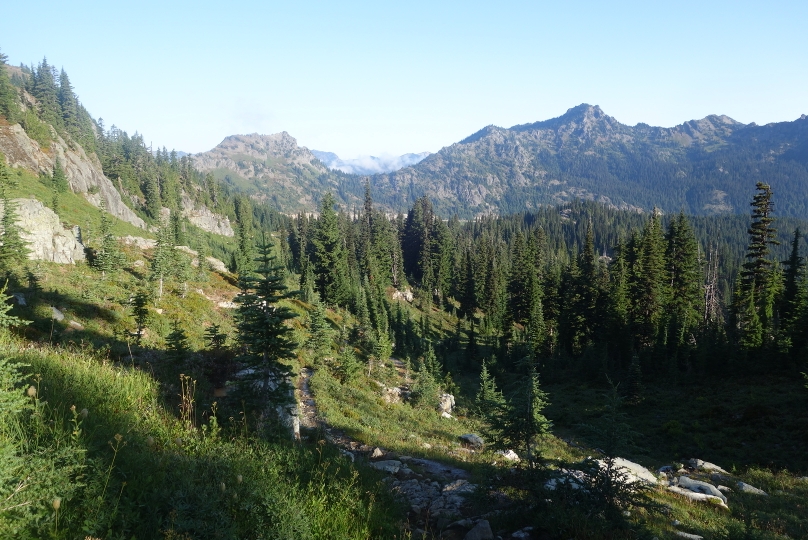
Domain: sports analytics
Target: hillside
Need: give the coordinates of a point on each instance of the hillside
(703, 166)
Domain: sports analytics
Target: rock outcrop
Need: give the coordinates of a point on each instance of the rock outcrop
(206, 220)
(47, 239)
(83, 172)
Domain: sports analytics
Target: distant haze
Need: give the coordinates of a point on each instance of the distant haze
(367, 165)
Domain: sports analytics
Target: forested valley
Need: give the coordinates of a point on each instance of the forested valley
(358, 372)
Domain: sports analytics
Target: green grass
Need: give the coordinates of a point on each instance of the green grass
(73, 208)
(132, 469)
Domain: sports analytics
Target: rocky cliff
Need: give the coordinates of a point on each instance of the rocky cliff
(204, 218)
(273, 167)
(83, 172)
(47, 239)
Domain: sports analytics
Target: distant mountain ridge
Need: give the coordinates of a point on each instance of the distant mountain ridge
(706, 166)
(369, 165)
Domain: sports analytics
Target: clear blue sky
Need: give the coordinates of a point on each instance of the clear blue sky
(382, 77)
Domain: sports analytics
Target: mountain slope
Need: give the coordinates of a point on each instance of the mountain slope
(704, 166)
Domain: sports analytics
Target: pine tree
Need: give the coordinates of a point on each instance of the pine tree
(140, 312)
(108, 256)
(264, 337)
(522, 421)
(321, 334)
(177, 347)
(489, 401)
(163, 259)
(685, 307)
(330, 257)
(8, 94)
(792, 279)
(13, 249)
(753, 303)
(215, 339)
(7, 320)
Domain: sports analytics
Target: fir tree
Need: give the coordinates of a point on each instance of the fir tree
(13, 249)
(177, 348)
(264, 337)
(108, 256)
(330, 257)
(140, 312)
(489, 401)
(215, 339)
(321, 335)
(6, 319)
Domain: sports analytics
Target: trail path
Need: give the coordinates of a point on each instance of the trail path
(435, 491)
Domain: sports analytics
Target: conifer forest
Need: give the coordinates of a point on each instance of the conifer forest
(194, 352)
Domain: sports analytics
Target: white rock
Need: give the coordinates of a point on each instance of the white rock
(447, 403)
(746, 488)
(42, 230)
(510, 455)
(705, 466)
(56, 314)
(701, 487)
(682, 534)
(376, 453)
(203, 218)
(693, 496)
(446, 415)
(216, 265)
(228, 305)
(634, 471)
(76, 324)
(139, 242)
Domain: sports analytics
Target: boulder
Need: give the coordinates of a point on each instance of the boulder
(746, 488)
(701, 487)
(509, 455)
(634, 471)
(446, 415)
(391, 466)
(481, 531)
(216, 265)
(682, 534)
(470, 440)
(376, 453)
(47, 239)
(693, 496)
(57, 315)
(403, 295)
(705, 466)
(446, 403)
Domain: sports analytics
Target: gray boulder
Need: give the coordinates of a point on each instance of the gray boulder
(391, 466)
(701, 487)
(470, 440)
(446, 404)
(746, 488)
(481, 531)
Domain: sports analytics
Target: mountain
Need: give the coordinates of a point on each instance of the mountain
(706, 166)
(367, 165)
(272, 167)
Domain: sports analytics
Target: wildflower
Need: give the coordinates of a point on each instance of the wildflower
(31, 391)
(57, 503)
(73, 408)
(239, 479)
(223, 487)
(118, 437)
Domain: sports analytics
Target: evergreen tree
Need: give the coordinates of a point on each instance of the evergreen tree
(685, 281)
(330, 257)
(13, 249)
(8, 94)
(163, 258)
(108, 256)
(522, 421)
(177, 347)
(264, 337)
(320, 330)
(6, 319)
(140, 312)
(215, 339)
(753, 304)
(489, 401)
(792, 279)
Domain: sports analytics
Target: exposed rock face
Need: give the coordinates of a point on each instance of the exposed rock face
(206, 220)
(83, 172)
(47, 239)
(286, 173)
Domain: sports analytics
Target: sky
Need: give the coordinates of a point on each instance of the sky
(386, 78)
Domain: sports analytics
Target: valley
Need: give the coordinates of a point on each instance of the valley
(572, 328)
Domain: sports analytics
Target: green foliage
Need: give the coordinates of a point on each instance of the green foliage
(347, 368)
(321, 335)
(330, 257)
(177, 348)
(13, 249)
(263, 334)
(6, 319)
